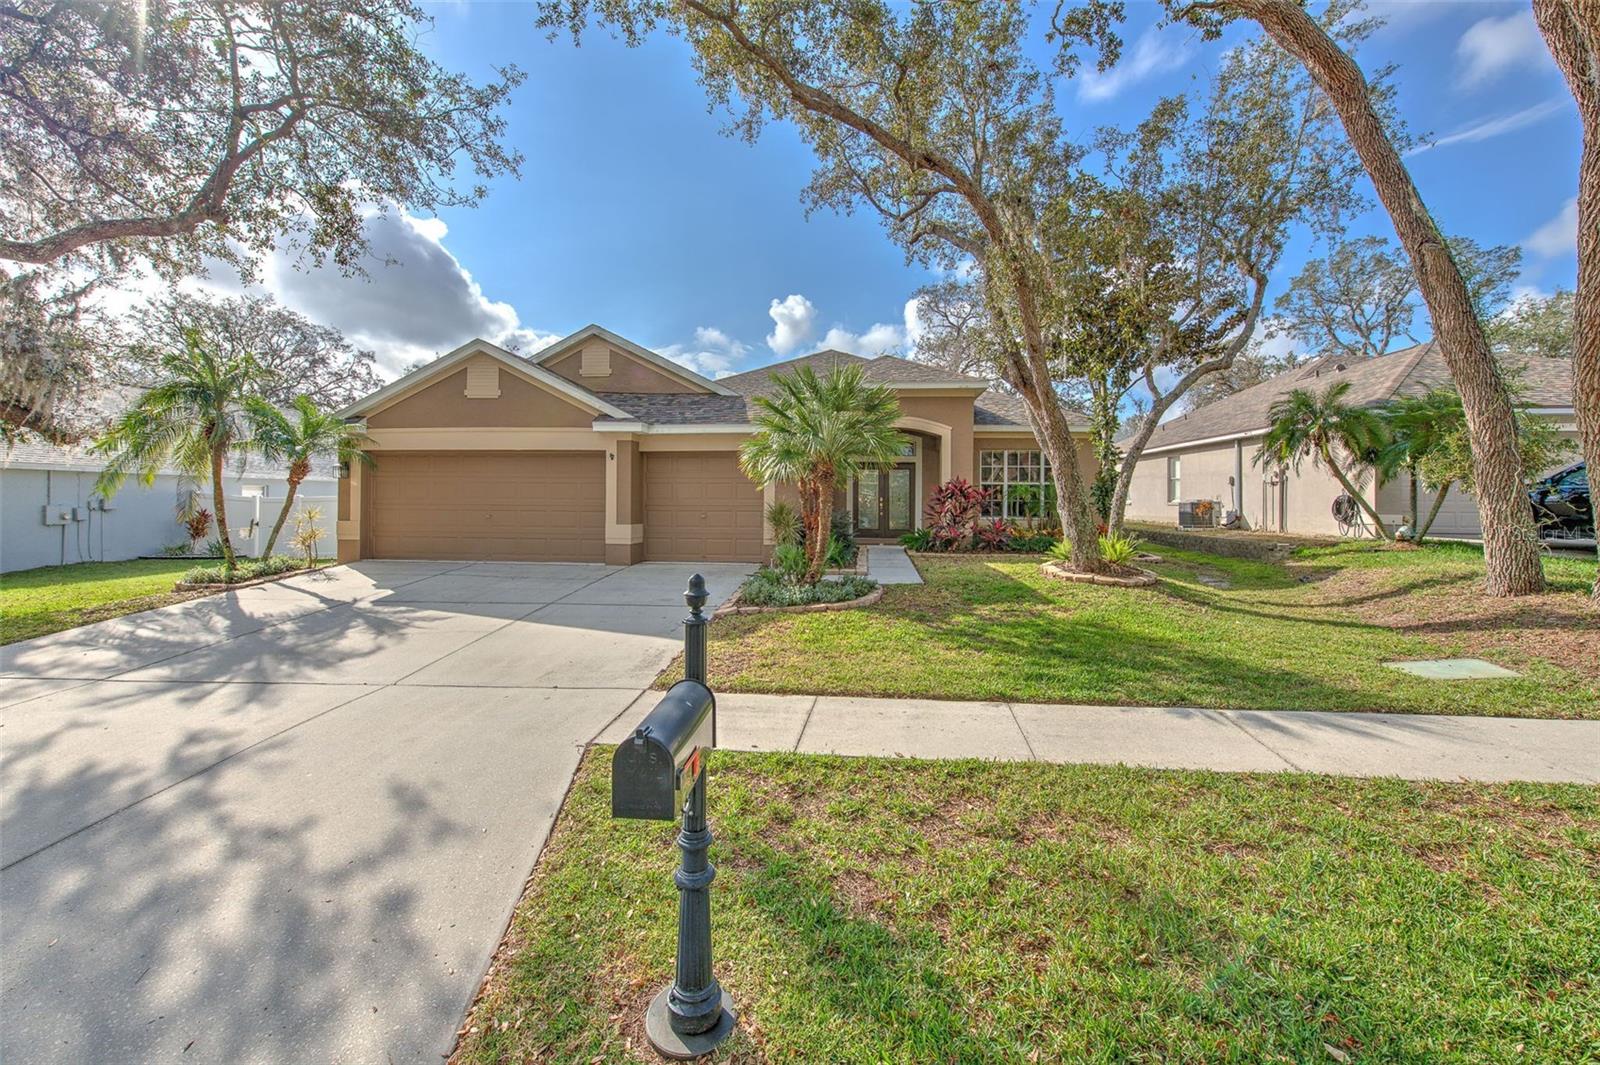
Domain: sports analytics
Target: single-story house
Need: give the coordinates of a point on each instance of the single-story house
(51, 515)
(597, 449)
(1209, 454)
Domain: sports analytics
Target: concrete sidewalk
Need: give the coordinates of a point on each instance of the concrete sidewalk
(1412, 746)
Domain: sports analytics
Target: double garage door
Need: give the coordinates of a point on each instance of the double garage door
(549, 506)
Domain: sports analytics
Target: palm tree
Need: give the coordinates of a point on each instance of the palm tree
(295, 436)
(819, 432)
(1417, 426)
(1321, 426)
(192, 420)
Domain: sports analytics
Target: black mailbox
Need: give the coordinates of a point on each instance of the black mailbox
(655, 768)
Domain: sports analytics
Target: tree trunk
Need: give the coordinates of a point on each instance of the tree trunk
(220, 508)
(824, 534)
(1511, 549)
(1354, 493)
(1073, 505)
(1433, 512)
(1572, 30)
(297, 473)
(1411, 476)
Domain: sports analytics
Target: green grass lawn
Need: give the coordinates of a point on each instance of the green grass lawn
(1309, 634)
(35, 602)
(901, 911)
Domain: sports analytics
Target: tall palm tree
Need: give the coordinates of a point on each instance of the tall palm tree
(193, 419)
(1417, 426)
(1322, 426)
(820, 432)
(295, 436)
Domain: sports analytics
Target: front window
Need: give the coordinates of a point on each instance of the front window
(1019, 483)
(1174, 479)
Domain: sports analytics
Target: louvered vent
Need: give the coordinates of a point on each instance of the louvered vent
(483, 381)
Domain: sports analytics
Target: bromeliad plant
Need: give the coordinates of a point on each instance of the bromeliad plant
(819, 433)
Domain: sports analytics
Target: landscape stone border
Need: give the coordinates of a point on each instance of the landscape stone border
(1061, 572)
(734, 606)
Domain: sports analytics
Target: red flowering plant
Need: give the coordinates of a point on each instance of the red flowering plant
(995, 535)
(954, 511)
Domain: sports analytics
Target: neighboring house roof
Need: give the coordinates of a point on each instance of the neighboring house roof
(109, 403)
(1545, 383)
(883, 370)
(995, 408)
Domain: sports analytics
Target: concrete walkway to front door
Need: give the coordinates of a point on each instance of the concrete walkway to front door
(1413, 746)
(889, 564)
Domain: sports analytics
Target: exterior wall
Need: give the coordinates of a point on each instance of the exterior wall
(628, 374)
(954, 412)
(141, 522)
(624, 503)
(445, 403)
(1207, 473)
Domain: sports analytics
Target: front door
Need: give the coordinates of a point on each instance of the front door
(885, 502)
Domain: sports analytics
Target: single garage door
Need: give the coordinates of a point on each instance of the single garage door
(698, 507)
(519, 506)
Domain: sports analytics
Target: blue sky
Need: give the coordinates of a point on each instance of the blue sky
(634, 211)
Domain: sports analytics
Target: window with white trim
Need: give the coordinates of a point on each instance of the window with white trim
(1020, 485)
(1174, 478)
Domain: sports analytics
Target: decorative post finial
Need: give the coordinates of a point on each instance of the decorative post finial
(697, 595)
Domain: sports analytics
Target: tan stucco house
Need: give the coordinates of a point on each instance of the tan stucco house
(599, 450)
(1209, 453)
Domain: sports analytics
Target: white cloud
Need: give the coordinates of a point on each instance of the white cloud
(881, 338)
(794, 321)
(712, 353)
(1492, 46)
(1484, 129)
(1559, 236)
(1155, 52)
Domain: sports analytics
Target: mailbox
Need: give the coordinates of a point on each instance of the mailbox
(655, 768)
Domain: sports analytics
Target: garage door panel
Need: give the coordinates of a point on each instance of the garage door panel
(699, 507)
(513, 506)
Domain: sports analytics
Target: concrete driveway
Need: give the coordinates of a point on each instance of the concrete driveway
(289, 823)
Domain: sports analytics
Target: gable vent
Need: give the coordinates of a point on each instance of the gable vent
(596, 362)
(483, 381)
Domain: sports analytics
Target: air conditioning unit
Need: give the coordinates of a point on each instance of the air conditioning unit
(1198, 514)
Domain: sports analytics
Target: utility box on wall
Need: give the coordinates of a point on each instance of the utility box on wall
(55, 514)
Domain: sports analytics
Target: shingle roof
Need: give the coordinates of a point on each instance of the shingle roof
(1411, 371)
(995, 407)
(885, 370)
(680, 409)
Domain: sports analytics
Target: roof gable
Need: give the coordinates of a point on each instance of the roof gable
(888, 370)
(398, 389)
(658, 362)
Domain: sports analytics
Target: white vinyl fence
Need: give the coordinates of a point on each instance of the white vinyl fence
(250, 519)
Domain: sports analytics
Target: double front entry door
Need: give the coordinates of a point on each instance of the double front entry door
(885, 502)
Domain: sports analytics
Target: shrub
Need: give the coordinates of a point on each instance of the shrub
(1119, 549)
(840, 529)
(785, 523)
(769, 588)
(789, 561)
(1061, 550)
(307, 532)
(994, 535)
(1032, 541)
(841, 555)
(213, 548)
(953, 514)
(247, 570)
(917, 540)
(198, 525)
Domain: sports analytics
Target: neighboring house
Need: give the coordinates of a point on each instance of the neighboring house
(50, 514)
(597, 449)
(1209, 453)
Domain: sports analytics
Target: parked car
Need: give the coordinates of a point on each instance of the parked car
(1562, 504)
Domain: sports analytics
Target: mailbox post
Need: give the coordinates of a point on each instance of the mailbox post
(658, 773)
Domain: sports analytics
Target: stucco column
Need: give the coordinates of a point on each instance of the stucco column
(624, 502)
(348, 524)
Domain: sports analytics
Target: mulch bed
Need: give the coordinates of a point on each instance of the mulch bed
(182, 586)
(734, 606)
